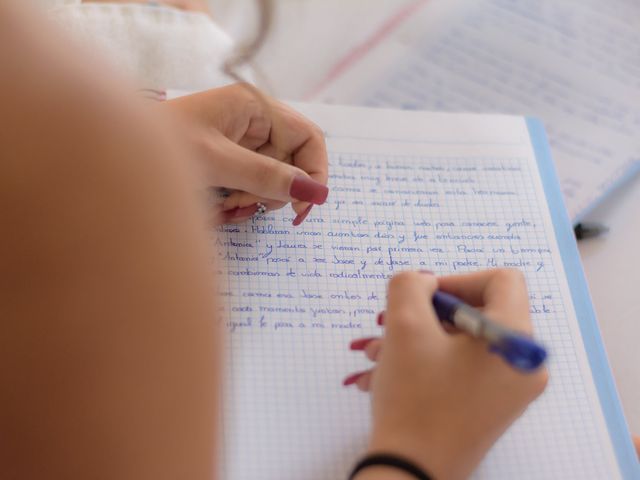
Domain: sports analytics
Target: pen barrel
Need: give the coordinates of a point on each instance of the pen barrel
(517, 349)
(474, 323)
(465, 318)
(446, 306)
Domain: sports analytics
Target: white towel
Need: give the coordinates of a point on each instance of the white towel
(161, 47)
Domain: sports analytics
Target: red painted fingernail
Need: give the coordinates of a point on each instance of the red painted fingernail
(246, 211)
(361, 343)
(351, 379)
(308, 190)
(237, 212)
(380, 319)
(301, 217)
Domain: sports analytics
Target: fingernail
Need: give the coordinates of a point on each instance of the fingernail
(237, 212)
(380, 319)
(351, 379)
(427, 272)
(308, 190)
(301, 217)
(361, 343)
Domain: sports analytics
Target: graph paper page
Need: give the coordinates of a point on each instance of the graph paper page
(409, 190)
(575, 64)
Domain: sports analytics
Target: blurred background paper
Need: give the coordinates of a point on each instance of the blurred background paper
(575, 64)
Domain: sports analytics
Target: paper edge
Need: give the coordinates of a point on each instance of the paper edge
(602, 376)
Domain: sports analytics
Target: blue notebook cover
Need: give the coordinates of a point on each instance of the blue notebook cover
(603, 378)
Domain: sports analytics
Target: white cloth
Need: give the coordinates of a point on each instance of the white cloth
(161, 47)
(56, 3)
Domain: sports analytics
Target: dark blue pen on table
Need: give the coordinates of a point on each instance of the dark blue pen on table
(518, 349)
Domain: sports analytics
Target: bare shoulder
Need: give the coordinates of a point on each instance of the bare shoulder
(106, 307)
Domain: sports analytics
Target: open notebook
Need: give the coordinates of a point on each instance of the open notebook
(450, 193)
(575, 64)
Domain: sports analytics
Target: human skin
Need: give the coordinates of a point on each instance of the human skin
(428, 386)
(260, 149)
(109, 346)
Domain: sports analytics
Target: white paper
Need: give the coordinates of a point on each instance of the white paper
(575, 64)
(449, 193)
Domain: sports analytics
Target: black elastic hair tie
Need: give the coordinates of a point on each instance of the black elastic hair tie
(393, 461)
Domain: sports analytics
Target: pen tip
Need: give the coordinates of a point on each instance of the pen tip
(522, 353)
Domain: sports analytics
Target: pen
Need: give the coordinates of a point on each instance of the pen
(517, 349)
(589, 230)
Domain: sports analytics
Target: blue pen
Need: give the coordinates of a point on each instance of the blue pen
(517, 349)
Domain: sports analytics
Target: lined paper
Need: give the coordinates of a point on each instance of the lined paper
(409, 190)
(575, 64)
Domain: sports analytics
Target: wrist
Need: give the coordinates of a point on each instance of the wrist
(380, 472)
(439, 461)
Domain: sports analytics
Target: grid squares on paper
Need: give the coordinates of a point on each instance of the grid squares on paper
(286, 415)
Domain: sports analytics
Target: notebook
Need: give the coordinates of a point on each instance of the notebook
(451, 193)
(575, 64)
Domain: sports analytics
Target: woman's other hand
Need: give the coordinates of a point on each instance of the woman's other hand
(442, 399)
(260, 149)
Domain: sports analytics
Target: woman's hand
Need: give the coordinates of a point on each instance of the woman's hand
(441, 399)
(260, 149)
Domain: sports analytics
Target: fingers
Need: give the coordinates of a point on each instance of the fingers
(636, 443)
(361, 379)
(364, 381)
(293, 133)
(370, 346)
(238, 199)
(480, 288)
(238, 214)
(259, 146)
(410, 312)
(281, 133)
(501, 293)
(238, 168)
(303, 141)
(373, 349)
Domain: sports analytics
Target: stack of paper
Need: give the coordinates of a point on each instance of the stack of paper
(575, 64)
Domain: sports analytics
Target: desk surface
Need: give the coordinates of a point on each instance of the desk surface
(612, 266)
(293, 63)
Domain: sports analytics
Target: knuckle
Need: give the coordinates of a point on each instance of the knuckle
(513, 281)
(431, 281)
(539, 382)
(241, 88)
(317, 132)
(402, 280)
(410, 282)
(373, 350)
(510, 275)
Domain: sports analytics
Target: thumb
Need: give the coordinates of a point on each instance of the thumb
(238, 168)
